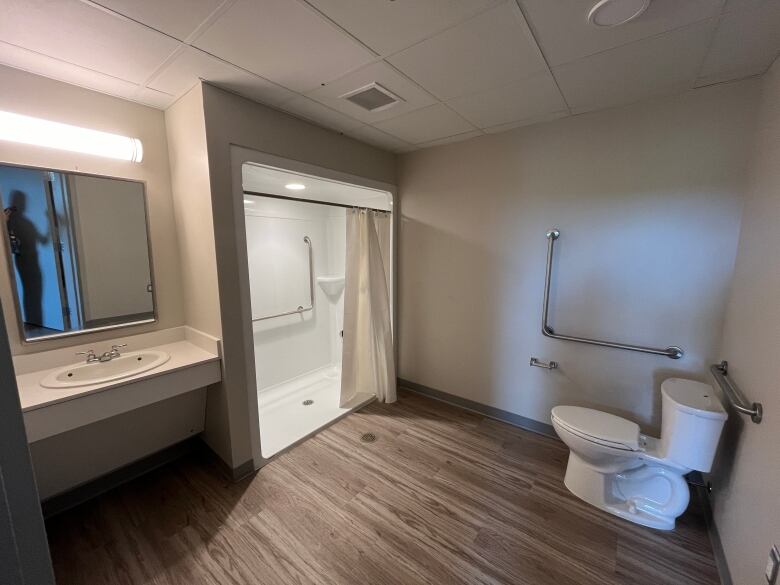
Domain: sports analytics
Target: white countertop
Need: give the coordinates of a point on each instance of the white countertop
(184, 354)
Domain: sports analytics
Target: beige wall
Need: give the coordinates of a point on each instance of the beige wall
(66, 461)
(233, 120)
(32, 95)
(746, 483)
(186, 132)
(186, 128)
(648, 200)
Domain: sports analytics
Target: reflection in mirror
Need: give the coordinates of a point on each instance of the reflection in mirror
(79, 251)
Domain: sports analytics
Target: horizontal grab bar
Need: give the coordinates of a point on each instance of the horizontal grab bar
(741, 404)
(301, 308)
(673, 351)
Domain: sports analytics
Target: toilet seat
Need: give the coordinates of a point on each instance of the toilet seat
(598, 427)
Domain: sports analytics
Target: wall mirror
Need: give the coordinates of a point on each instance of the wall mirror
(78, 251)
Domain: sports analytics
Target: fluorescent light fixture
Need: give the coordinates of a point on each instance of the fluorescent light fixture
(39, 132)
(295, 186)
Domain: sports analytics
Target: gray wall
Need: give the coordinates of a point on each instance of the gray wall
(746, 492)
(112, 247)
(24, 551)
(233, 120)
(648, 200)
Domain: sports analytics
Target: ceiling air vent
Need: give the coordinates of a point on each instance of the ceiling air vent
(372, 97)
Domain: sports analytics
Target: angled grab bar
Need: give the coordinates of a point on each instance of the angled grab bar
(741, 404)
(673, 351)
(301, 308)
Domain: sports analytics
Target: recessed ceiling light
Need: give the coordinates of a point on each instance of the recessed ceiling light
(616, 12)
(295, 186)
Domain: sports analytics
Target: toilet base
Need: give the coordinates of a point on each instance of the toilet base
(649, 495)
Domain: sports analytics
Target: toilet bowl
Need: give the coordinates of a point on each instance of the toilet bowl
(613, 466)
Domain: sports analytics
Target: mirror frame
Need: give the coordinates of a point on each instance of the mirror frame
(8, 259)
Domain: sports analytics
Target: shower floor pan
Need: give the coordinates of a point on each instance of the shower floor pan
(295, 409)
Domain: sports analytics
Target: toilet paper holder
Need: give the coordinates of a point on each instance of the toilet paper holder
(551, 365)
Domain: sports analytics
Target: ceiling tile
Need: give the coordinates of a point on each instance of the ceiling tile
(52, 68)
(562, 29)
(375, 137)
(743, 4)
(527, 122)
(385, 75)
(86, 36)
(451, 139)
(492, 49)
(660, 65)
(153, 98)
(746, 43)
(304, 107)
(431, 123)
(178, 18)
(530, 98)
(46, 66)
(190, 65)
(284, 41)
(388, 27)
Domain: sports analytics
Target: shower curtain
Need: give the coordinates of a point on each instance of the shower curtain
(368, 365)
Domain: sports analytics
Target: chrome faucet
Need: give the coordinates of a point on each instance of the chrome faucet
(106, 356)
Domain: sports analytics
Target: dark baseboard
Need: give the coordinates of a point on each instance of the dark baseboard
(511, 418)
(244, 470)
(78, 495)
(717, 546)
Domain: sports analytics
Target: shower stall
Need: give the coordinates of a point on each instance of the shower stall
(297, 250)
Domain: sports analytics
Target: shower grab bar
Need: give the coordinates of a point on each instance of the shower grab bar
(301, 308)
(741, 404)
(673, 351)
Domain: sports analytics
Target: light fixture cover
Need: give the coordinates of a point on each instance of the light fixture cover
(295, 186)
(40, 132)
(616, 12)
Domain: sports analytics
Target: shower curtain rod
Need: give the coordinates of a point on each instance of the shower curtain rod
(286, 198)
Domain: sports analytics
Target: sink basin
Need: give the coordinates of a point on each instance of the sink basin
(124, 366)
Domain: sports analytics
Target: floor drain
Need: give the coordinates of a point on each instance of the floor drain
(308, 402)
(368, 437)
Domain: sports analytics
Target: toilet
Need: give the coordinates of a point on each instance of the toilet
(613, 466)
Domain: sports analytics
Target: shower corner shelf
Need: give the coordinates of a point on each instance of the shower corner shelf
(332, 285)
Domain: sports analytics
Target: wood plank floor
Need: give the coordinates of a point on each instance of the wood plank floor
(443, 496)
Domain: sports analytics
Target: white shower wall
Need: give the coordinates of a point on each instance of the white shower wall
(291, 346)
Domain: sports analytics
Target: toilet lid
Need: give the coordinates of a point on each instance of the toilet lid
(599, 427)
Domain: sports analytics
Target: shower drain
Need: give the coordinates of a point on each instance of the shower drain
(308, 402)
(368, 437)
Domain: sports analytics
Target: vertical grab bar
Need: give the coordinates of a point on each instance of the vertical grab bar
(673, 351)
(301, 308)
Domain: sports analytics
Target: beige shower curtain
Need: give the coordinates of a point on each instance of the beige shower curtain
(368, 365)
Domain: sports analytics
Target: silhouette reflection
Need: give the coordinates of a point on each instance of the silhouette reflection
(24, 240)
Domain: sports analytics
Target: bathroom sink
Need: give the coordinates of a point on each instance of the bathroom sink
(128, 364)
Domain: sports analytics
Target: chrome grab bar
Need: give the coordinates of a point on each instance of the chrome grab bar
(721, 372)
(551, 365)
(301, 308)
(673, 351)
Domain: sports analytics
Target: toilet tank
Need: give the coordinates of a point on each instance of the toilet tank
(692, 419)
